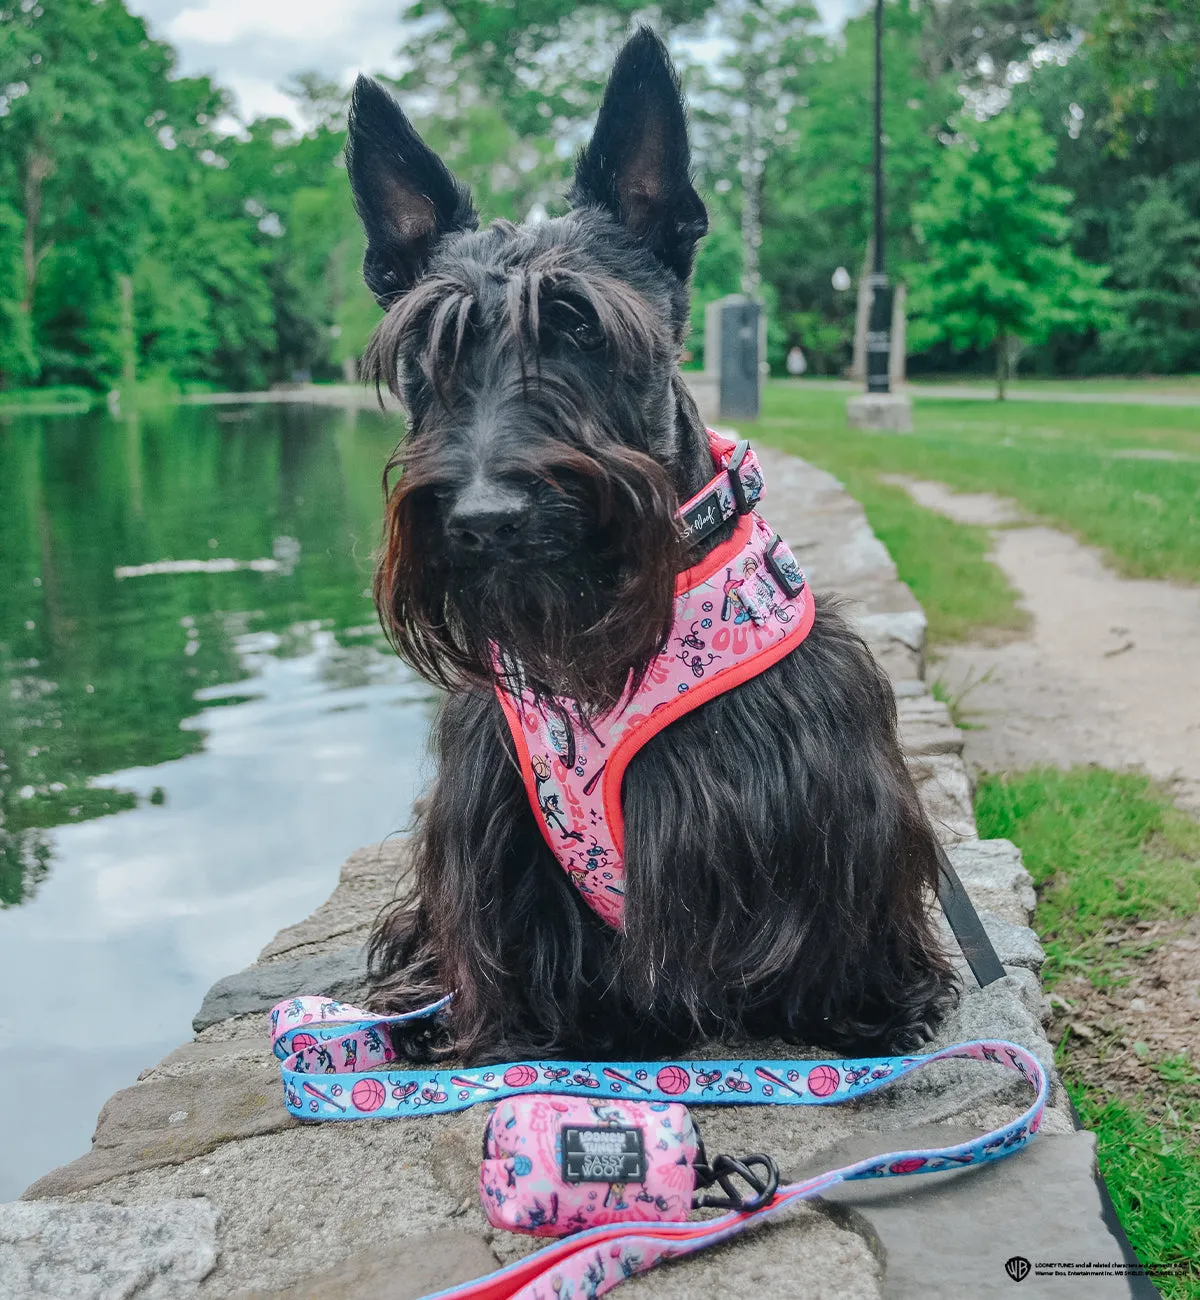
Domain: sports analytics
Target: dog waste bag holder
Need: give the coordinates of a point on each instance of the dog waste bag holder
(735, 323)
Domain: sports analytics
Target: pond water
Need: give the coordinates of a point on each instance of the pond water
(199, 720)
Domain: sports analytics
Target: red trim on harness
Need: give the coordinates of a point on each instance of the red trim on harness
(726, 680)
(517, 727)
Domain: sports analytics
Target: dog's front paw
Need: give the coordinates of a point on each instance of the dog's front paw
(420, 1041)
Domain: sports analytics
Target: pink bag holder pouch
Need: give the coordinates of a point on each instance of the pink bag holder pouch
(555, 1165)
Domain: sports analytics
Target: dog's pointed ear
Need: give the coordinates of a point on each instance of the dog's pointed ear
(638, 164)
(406, 198)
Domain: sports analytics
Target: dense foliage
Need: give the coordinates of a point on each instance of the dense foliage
(141, 240)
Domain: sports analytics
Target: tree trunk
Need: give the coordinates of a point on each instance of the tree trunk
(38, 168)
(1001, 365)
(128, 342)
(751, 205)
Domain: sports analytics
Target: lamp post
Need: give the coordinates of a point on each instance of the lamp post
(879, 329)
(879, 408)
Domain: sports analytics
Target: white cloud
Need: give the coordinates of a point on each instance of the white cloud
(225, 22)
(254, 47)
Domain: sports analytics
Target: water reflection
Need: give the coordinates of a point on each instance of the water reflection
(185, 756)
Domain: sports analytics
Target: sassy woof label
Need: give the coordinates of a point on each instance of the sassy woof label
(603, 1155)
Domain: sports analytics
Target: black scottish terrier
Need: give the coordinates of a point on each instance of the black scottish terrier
(780, 868)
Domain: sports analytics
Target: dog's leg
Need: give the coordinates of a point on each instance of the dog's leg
(491, 915)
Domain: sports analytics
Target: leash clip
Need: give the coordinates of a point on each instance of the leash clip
(723, 1170)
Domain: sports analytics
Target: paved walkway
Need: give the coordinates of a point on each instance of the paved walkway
(1108, 672)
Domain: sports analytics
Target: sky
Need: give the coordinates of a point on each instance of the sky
(253, 47)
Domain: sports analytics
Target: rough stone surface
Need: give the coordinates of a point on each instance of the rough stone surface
(106, 1252)
(198, 1098)
(340, 973)
(1015, 945)
(416, 1266)
(885, 412)
(806, 1254)
(363, 1208)
(948, 1235)
(926, 727)
(993, 875)
(945, 787)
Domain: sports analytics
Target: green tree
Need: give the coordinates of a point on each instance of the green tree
(1136, 209)
(742, 101)
(817, 198)
(1139, 49)
(998, 268)
(78, 139)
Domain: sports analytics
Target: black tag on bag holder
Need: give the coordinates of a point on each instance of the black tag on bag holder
(602, 1154)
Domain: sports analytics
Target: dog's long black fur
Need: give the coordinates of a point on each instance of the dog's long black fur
(780, 868)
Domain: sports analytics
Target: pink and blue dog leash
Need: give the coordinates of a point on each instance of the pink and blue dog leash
(338, 1063)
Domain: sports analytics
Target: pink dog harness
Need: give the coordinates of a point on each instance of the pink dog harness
(738, 611)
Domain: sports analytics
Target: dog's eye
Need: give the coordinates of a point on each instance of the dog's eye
(586, 336)
(570, 323)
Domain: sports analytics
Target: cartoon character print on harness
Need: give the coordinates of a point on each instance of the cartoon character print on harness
(753, 597)
(550, 804)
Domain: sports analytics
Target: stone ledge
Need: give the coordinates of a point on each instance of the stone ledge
(940, 1230)
(993, 875)
(201, 1097)
(95, 1251)
(340, 973)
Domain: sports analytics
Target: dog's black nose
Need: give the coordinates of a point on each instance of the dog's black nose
(478, 529)
(486, 515)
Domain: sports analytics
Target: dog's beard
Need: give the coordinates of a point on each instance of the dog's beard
(582, 613)
(568, 628)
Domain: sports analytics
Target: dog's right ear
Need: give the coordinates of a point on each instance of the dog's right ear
(406, 198)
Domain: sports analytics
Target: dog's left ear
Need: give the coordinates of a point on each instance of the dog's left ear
(405, 195)
(637, 165)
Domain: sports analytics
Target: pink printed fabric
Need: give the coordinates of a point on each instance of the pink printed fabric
(534, 1177)
(733, 619)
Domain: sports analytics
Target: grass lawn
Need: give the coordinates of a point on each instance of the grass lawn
(1066, 464)
(1107, 850)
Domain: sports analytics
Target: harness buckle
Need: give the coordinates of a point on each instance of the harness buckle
(734, 470)
(723, 1170)
(784, 568)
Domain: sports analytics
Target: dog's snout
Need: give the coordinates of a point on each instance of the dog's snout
(474, 532)
(486, 515)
